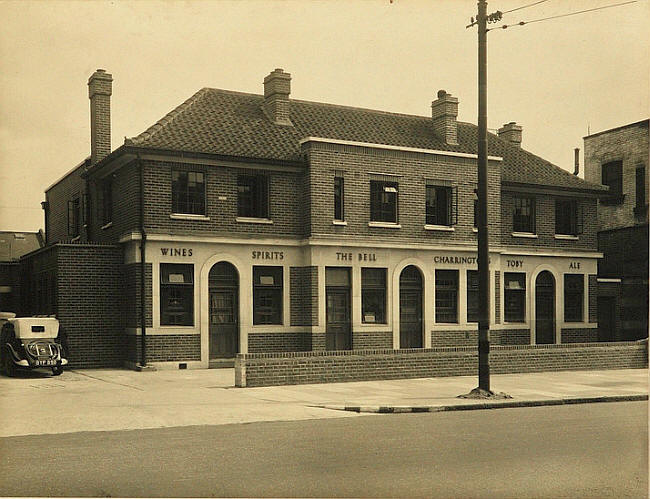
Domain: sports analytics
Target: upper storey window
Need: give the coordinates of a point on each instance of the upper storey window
(188, 192)
(383, 201)
(441, 204)
(568, 217)
(253, 196)
(613, 177)
(74, 217)
(339, 213)
(107, 200)
(640, 203)
(523, 216)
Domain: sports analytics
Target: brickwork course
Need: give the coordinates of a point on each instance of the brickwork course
(325, 367)
(299, 147)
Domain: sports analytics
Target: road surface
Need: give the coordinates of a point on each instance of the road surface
(591, 450)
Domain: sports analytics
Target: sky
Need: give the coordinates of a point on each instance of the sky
(559, 79)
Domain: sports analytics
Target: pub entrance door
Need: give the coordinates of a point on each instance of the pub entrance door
(338, 335)
(545, 308)
(223, 311)
(410, 308)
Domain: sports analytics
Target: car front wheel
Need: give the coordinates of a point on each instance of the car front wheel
(57, 371)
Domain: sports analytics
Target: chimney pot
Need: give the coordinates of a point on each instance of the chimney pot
(511, 132)
(100, 88)
(444, 111)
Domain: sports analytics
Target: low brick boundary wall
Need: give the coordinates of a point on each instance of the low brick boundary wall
(268, 369)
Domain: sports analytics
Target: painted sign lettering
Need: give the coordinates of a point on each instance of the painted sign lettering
(367, 257)
(514, 264)
(461, 260)
(176, 251)
(267, 255)
(574, 265)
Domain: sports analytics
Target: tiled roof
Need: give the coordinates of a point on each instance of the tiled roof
(13, 245)
(231, 123)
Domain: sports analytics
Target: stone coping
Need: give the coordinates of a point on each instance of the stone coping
(415, 351)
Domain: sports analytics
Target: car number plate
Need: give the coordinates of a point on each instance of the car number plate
(44, 362)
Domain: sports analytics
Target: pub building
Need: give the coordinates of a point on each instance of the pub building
(262, 223)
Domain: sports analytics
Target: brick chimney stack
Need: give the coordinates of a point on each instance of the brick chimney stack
(444, 111)
(100, 88)
(277, 87)
(511, 132)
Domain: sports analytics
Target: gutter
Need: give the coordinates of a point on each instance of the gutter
(138, 151)
(507, 185)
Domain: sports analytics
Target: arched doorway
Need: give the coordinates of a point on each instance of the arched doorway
(410, 308)
(545, 308)
(223, 289)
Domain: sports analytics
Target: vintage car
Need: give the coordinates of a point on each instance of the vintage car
(30, 343)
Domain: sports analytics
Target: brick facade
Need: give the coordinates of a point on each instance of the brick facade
(414, 171)
(304, 296)
(362, 340)
(57, 196)
(583, 335)
(470, 337)
(623, 225)
(164, 348)
(545, 223)
(221, 202)
(132, 295)
(279, 342)
(90, 314)
(628, 144)
(330, 367)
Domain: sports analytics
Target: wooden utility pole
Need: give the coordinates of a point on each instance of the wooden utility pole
(483, 244)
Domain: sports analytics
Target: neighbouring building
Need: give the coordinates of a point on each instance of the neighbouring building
(13, 245)
(618, 158)
(261, 223)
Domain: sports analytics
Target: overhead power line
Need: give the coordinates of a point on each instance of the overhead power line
(524, 6)
(521, 23)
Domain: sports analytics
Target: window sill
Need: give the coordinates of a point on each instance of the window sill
(506, 323)
(475, 229)
(107, 226)
(440, 228)
(339, 222)
(385, 225)
(188, 216)
(525, 235)
(253, 220)
(567, 237)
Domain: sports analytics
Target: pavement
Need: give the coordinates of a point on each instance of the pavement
(118, 399)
